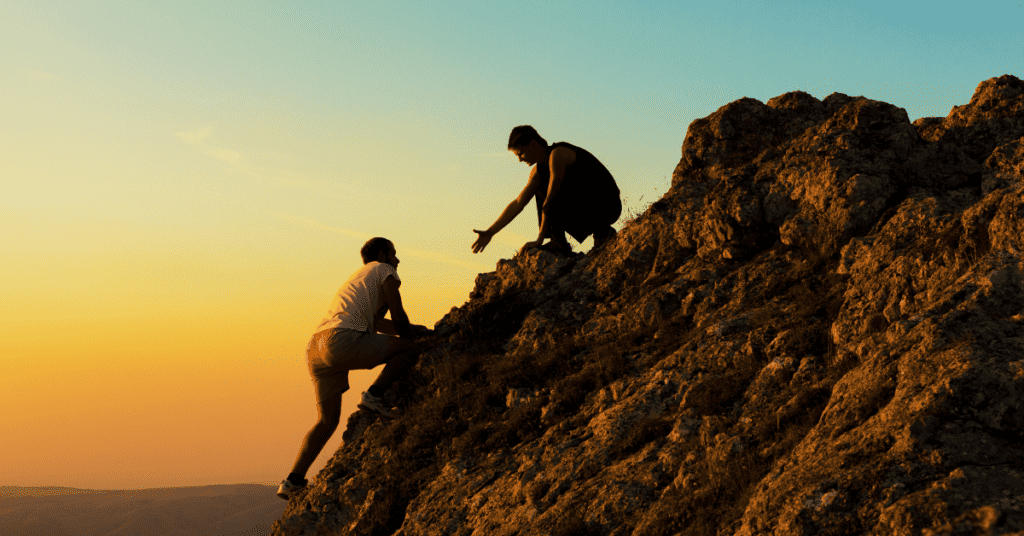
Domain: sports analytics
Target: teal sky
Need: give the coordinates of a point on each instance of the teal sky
(186, 183)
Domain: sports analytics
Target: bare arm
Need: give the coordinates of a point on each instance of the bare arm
(561, 158)
(511, 211)
(386, 326)
(399, 323)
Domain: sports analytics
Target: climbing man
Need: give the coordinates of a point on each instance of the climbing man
(355, 335)
(574, 192)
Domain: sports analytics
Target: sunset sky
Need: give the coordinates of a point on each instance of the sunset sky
(186, 184)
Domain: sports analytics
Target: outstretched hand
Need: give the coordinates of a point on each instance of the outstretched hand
(482, 240)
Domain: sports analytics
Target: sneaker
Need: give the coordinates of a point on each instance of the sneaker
(287, 490)
(375, 405)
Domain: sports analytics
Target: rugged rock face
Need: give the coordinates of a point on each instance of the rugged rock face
(819, 329)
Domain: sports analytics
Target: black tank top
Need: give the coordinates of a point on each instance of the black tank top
(586, 180)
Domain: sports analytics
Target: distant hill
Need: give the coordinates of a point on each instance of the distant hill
(818, 330)
(227, 510)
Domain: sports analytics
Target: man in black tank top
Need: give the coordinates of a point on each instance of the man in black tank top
(574, 192)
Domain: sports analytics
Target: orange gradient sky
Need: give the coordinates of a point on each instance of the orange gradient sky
(185, 184)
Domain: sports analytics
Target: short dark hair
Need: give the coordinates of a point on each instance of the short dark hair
(373, 247)
(522, 135)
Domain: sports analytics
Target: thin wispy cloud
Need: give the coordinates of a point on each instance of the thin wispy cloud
(194, 137)
(198, 137)
(227, 155)
(415, 253)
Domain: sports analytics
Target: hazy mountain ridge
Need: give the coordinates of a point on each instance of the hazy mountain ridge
(819, 329)
(226, 510)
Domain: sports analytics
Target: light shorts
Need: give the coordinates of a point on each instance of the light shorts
(333, 352)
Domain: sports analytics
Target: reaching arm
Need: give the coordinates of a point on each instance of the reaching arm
(511, 211)
(399, 320)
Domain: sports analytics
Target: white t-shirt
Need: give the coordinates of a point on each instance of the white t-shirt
(359, 303)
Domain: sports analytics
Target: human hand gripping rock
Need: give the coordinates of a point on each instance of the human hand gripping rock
(530, 245)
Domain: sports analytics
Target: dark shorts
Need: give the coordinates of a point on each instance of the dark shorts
(332, 353)
(584, 215)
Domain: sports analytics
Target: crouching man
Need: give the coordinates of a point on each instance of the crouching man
(574, 192)
(355, 335)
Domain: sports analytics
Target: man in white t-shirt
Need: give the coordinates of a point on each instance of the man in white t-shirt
(355, 335)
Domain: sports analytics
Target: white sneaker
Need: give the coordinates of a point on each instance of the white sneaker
(375, 405)
(287, 490)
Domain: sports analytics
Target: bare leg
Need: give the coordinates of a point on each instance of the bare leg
(319, 434)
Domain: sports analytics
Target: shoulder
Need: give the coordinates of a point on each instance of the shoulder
(562, 153)
(382, 270)
(563, 148)
(391, 282)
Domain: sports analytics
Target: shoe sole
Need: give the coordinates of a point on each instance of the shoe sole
(288, 495)
(375, 412)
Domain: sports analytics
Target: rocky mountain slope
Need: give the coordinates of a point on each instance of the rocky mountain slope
(819, 329)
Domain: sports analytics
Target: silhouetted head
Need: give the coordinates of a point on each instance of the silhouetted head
(522, 135)
(380, 250)
(527, 144)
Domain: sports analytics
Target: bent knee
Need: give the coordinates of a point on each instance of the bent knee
(329, 414)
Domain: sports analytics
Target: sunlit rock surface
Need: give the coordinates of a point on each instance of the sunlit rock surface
(819, 329)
